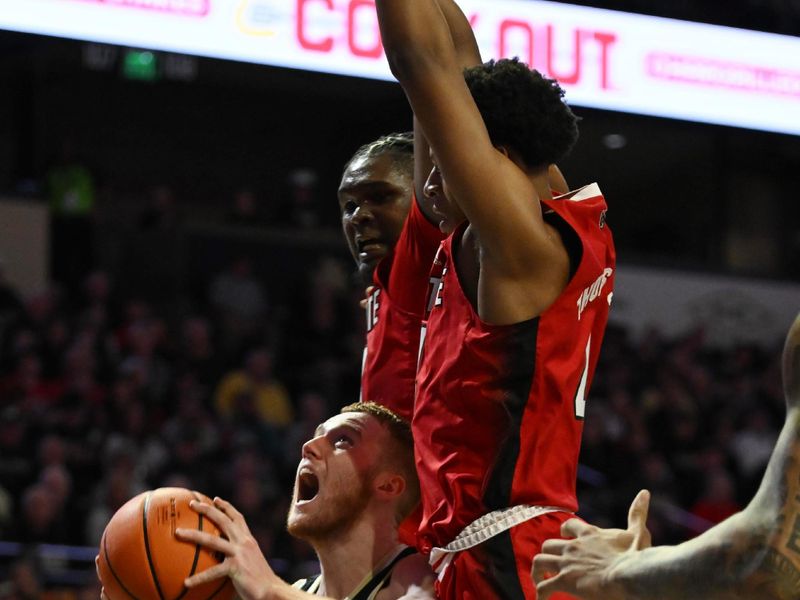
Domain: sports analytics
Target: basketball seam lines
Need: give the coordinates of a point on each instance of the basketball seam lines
(219, 589)
(113, 572)
(147, 546)
(196, 551)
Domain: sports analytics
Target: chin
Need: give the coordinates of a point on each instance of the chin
(366, 272)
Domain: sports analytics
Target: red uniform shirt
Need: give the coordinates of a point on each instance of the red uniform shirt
(498, 414)
(395, 310)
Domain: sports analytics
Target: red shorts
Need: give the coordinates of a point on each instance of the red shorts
(500, 568)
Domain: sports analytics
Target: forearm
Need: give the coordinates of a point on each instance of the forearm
(467, 55)
(415, 36)
(708, 567)
(461, 33)
(736, 560)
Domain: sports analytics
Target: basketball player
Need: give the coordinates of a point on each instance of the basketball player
(393, 235)
(753, 555)
(520, 299)
(355, 483)
(393, 239)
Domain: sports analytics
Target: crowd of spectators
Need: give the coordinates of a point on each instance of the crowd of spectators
(105, 394)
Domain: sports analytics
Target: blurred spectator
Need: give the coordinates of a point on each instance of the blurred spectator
(245, 209)
(17, 462)
(253, 392)
(144, 361)
(24, 581)
(197, 354)
(38, 518)
(154, 257)
(304, 210)
(752, 446)
(718, 501)
(161, 213)
(240, 301)
(119, 484)
(10, 303)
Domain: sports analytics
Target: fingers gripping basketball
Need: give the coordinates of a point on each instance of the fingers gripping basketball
(141, 559)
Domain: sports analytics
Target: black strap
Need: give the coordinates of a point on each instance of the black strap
(308, 582)
(377, 581)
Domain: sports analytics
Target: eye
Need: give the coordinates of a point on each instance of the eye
(383, 197)
(342, 440)
(348, 208)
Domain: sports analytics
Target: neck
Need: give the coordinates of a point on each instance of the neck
(349, 557)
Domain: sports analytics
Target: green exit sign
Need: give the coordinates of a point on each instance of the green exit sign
(141, 65)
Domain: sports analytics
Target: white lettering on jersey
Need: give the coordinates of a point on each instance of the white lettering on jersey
(372, 309)
(435, 297)
(423, 332)
(580, 394)
(593, 291)
(363, 366)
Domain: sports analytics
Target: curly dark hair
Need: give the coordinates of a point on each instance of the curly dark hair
(399, 145)
(523, 110)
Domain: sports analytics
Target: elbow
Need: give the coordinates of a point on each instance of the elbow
(401, 63)
(409, 64)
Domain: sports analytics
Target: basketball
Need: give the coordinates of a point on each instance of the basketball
(140, 557)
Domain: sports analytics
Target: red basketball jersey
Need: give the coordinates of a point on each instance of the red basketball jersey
(395, 310)
(498, 415)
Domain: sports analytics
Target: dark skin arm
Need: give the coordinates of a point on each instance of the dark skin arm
(468, 55)
(754, 555)
(523, 265)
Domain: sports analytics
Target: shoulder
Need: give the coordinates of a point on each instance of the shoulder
(412, 578)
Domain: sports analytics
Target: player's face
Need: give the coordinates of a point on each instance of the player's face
(374, 198)
(333, 483)
(448, 211)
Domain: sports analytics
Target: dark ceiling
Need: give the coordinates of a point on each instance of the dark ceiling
(692, 195)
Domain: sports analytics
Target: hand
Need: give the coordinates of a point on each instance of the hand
(244, 563)
(97, 570)
(364, 302)
(584, 566)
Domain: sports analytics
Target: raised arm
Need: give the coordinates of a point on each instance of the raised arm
(497, 197)
(468, 55)
(754, 555)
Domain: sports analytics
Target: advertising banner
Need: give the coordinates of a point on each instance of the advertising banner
(605, 59)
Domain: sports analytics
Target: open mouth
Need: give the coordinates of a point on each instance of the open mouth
(366, 244)
(307, 486)
(370, 248)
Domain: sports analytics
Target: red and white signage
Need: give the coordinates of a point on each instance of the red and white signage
(604, 59)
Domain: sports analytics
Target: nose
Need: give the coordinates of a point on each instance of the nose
(361, 214)
(433, 184)
(313, 447)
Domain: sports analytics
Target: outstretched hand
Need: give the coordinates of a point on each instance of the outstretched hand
(583, 566)
(244, 563)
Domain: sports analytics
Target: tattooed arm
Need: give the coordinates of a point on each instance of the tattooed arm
(754, 555)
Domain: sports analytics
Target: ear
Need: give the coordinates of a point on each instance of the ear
(389, 485)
